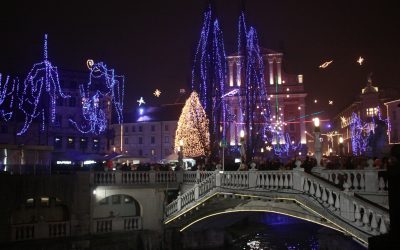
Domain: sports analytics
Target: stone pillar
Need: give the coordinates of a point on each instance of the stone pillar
(298, 177)
(252, 177)
(346, 206)
(271, 71)
(152, 176)
(196, 191)
(279, 70)
(218, 177)
(179, 202)
(230, 73)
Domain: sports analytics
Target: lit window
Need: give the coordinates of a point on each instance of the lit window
(71, 142)
(372, 112)
(153, 152)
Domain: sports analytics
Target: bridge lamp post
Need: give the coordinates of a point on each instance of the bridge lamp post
(242, 147)
(317, 141)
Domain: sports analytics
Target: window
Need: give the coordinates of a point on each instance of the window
(44, 201)
(140, 140)
(126, 140)
(58, 142)
(372, 112)
(140, 152)
(166, 127)
(133, 128)
(72, 102)
(166, 152)
(71, 142)
(30, 202)
(126, 129)
(153, 152)
(116, 199)
(153, 128)
(140, 129)
(152, 140)
(166, 139)
(96, 144)
(83, 143)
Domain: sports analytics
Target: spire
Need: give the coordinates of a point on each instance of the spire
(45, 47)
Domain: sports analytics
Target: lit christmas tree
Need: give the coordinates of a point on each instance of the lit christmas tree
(192, 133)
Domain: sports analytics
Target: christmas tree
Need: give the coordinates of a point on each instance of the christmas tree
(192, 132)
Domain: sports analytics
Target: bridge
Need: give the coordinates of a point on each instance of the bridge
(86, 204)
(311, 197)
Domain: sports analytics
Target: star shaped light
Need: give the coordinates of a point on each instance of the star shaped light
(325, 64)
(330, 102)
(360, 60)
(141, 101)
(157, 93)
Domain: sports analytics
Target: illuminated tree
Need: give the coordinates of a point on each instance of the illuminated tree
(192, 131)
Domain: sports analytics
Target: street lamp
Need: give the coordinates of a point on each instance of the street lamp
(242, 147)
(317, 142)
(340, 146)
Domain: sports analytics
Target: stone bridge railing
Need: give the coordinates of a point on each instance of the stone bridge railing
(135, 177)
(43, 230)
(116, 224)
(368, 218)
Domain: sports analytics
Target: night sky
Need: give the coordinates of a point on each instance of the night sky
(152, 42)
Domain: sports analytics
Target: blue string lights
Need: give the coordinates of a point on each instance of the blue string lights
(8, 89)
(209, 76)
(40, 91)
(103, 90)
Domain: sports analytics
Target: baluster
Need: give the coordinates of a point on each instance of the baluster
(286, 182)
(312, 189)
(318, 192)
(276, 181)
(280, 183)
(290, 181)
(350, 181)
(381, 184)
(330, 199)
(362, 182)
(306, 187)
(267, 183)
(357, 215)
(330, 177)
(337, 178)
(337, 202)
(324, 196)
(374, 224)
(355, 181)
(365, 219)
(382, 226)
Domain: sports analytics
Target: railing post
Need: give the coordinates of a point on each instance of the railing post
(198, 178)
(298, 177)
(218, 177)
(196, 191)
(179, 202)
(252, 177)
(179, 176)
(152, 176)
(118, 177)
(371, 180)
(346, 207)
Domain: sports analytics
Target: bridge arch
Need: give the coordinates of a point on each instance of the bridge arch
(122, 205)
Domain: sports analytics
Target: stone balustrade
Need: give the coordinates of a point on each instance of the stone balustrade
(348, 209)
(116, 224)
(42, 230)
(135, 177)
(363, 180)
(192, 177)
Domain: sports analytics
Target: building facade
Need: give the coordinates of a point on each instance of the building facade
(286, 97)
(393, 116)
(61, 138)
(369, 107)
(148, 133)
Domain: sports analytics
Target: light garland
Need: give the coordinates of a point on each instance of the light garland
(111, 90)
(42, 79)
(192, 130)
(209, 76)
(8, 91)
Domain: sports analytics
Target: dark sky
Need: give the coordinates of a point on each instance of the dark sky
(152, 42)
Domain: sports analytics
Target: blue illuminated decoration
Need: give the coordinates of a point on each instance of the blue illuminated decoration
(8, 90)
(40, 91)
(358, 137)
(103, 90)
(209, 77)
